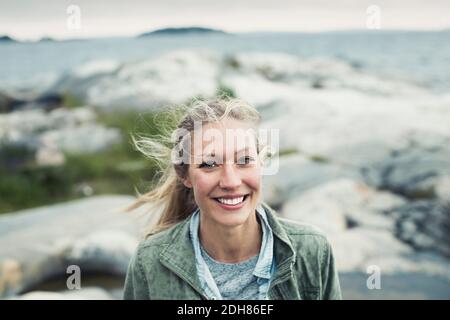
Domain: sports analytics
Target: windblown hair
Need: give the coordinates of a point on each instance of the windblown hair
(177, 201)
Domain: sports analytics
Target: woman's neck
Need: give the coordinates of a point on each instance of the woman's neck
(231, 244)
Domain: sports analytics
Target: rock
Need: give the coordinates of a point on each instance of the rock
(257, 77)
(340, 204)
(418, 170)
(295, 175)
(326, 216)
(359, 223)
(80, 294)
(358, 248)
(39, 244)
(170, 79)
(49, 155)
(425, 225)
(48, 134)
(96, 68)
(399, 286)
(312, 73)
(9, 104)
(442, 188)
(102, 250)
(361, 151)
(10, 275)
(84, 139)
(342, 121)
(46, 101)
(79, 80)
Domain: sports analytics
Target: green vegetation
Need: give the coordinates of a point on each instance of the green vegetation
(232, 62)
(269, 73)
(421, 194)
(71, 101)
(30, 187)
(183, 31)
(319, 158)
(119, 170)
(288, 151)
(225, 91)
(313, 157)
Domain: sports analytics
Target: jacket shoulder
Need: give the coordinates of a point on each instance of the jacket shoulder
(154, 243)
(305, 236)
(296, 228)
(315, 257)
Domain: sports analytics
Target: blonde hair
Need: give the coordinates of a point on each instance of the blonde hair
(176, 199)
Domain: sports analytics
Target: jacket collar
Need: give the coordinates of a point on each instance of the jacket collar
(284, 255)
(178, 254)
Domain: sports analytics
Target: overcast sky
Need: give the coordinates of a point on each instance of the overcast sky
(32, 19)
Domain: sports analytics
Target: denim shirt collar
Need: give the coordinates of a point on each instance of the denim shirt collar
(265, 266)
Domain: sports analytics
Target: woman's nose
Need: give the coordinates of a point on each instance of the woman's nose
(230, 178)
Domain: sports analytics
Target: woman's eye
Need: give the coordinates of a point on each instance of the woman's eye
(245, 160)
(208, 164)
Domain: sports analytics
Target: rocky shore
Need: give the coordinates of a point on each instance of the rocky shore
(366, 159)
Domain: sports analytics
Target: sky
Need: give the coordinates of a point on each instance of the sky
(33, 19)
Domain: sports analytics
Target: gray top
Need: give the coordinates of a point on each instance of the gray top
(235, 281)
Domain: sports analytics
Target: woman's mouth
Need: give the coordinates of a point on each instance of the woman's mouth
(232, 203)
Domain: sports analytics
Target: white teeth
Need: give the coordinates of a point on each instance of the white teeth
(231, 201)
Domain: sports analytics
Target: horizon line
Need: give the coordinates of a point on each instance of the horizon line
(135, 35)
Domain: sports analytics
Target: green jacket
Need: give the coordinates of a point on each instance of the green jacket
(163, 266)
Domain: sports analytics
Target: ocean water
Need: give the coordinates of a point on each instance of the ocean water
(419, 57)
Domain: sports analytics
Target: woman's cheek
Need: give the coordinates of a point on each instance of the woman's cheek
(204, 183)
(253, 178)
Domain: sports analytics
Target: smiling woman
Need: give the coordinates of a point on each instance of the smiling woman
(216, 238)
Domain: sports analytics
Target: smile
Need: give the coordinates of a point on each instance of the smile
(231, 203)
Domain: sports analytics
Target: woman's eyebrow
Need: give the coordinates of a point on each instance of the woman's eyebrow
(212, 154)
(243, 149)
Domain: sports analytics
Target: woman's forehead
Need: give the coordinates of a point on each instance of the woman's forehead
(225, 137)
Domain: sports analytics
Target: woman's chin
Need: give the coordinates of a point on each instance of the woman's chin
(231, 222)
(230, 216)
(233, 218)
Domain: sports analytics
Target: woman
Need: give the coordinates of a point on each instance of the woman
(216, 238)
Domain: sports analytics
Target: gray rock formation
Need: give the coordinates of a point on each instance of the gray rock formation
(425, 225)
(82, 294)
(39, 244)
(49, 134)
(353, 216)
(149, 84)
(418, 170)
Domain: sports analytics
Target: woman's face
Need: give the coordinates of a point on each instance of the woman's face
(225, 172)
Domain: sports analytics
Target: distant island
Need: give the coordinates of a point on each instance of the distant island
(182, 31)
(6, 39)
(46, 39)
(9, 39)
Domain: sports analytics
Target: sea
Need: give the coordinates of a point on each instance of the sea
(415, 56)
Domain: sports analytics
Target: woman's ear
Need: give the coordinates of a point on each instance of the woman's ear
(261, 158)
(187, 182)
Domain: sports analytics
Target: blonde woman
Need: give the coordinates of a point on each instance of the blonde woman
(216, 237)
